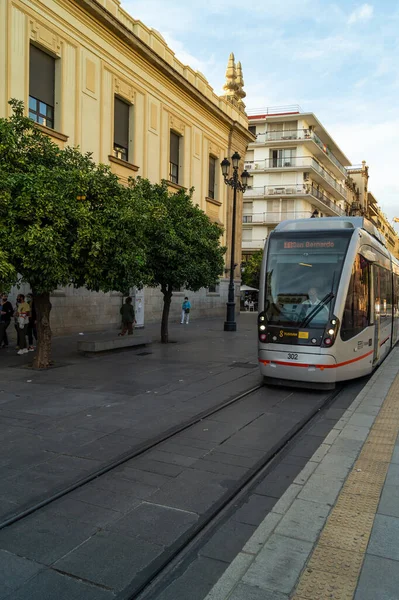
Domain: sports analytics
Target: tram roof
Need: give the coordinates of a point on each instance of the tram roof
(331, 224)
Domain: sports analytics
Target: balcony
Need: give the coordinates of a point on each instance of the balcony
(302, 190)
(293, 163)
(253, 244)
(300, 134)
(274, 217)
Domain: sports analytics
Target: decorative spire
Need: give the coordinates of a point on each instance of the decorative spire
(231, 85)
(234, 85)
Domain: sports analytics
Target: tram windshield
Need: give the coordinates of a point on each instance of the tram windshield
(302, 277)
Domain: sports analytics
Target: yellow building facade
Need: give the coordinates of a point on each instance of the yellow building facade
(94, 77)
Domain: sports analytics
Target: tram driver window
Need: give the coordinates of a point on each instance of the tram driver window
(357, 306)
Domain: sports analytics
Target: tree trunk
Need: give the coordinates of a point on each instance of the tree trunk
(167, 298)
(42, 359)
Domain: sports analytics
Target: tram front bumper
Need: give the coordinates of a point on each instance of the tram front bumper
(298, 366)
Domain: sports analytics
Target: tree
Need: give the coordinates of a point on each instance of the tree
(184, 245)
(251, 271)
(63, 221)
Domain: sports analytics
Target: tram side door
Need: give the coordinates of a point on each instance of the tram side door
(375, 290)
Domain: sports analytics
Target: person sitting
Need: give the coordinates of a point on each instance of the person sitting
(310, 305)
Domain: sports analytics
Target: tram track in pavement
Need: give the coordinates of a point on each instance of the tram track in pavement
(149, 588)
(125, 457)
(144, 581)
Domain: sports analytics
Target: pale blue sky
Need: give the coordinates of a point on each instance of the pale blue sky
(339, 60)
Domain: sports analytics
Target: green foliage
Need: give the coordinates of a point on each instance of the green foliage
(251, 272)
(7, 272)
(49, 235)
(184, 245)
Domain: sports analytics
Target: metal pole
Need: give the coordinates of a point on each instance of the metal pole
(230, 323)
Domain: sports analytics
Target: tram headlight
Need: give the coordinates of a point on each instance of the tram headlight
(262, 327)
(261, 318)
(263, 337)
(331, 332)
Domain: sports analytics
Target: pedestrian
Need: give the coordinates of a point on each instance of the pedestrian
(128, 318)
(185, 311)
(32, 331)
(22, 315)
(6, 312)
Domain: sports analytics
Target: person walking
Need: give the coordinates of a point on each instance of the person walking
(185, 311)
(6, 312)
(32, 331)
(22, 315)
(128, 318)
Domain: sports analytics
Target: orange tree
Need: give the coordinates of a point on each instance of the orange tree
(183, 248)
(63, 221)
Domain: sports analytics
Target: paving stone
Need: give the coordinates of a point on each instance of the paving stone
(262, 533)
(185, 450)
(334, 466)
(153, 479)
(307, 445)
(230, 577)
(291, 459)
(227, 541)
(194, 581)
(379, 579)
(361, 420)
(389, 503)
(82, 512)
(384, 537)
(276, 483)
(112, 500)
(235, 450)
(393, 475)
(50, 585)
(287, 499)
(15, 571)
(231, 459)
(249, 592)
(321, 488)
(116, 483)
(231, 471)
(153, 466)
(158, 524)
(354, 432)
(306, 472)
(322, 427)
(44, 538)
(108, 559)
(171, 458)
(193, 490)
(346, 447)
(303, 520)
(278, 564)
(254, 509)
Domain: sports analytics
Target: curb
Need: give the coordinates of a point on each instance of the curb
(272, 560)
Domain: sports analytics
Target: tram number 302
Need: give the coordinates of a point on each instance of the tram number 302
(293, 356)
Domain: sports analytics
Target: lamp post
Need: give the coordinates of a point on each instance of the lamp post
(236, 183)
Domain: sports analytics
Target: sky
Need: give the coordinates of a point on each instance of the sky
(339, 60)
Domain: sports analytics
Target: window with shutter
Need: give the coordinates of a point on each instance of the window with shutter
(212, 177)
(41, 87)
(174, 156)
(121, 129)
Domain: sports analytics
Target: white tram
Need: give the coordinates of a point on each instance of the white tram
(328, 302)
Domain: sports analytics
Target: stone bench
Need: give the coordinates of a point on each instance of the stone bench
(106, 344)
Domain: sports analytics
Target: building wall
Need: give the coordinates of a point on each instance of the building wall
(98, 58)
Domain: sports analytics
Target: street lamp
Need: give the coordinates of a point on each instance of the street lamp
(237, 184)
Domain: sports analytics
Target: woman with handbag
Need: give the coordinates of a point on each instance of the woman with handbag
(185, 311)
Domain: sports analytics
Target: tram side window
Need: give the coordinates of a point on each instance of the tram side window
(396, 295)
(357, 306)
(383, 294)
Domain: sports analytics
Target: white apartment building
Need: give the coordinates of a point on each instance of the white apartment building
(297, 170)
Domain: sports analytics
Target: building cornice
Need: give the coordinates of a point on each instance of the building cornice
(113, 24)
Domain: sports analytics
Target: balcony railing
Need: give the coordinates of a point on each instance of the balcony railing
(292, 162)
(275, 216)
(293, 190)
(300, 134)
(288, 109)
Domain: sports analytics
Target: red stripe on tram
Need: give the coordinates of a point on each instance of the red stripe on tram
(321, 367)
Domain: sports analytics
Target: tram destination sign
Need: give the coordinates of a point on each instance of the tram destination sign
(308, 244)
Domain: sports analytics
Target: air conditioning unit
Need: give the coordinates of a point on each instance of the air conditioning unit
(248, 166)
(287, 164)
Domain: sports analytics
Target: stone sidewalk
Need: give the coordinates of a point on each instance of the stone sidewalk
(334, 534)
(58, 425)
